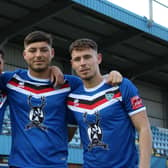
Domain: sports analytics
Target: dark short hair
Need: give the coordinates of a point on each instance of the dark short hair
(2, 54)
(83, 43)
(38, 36)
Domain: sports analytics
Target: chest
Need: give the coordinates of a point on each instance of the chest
(105, 106)
(36, 96)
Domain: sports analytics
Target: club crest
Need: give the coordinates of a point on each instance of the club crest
(94, 131)
(109, 96)
(36, 114)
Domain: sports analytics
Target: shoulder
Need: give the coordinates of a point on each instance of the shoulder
(71, 77)
(11, 73)
(126, 83)
(73, 80)
(128, 88)
(6, 76)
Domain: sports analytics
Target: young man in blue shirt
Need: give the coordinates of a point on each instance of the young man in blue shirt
(107, 116)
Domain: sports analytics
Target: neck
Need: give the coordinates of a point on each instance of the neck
(93, 82)
(41, 75)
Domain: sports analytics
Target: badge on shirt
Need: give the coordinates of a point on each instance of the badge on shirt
(136, 102)
(109, 96)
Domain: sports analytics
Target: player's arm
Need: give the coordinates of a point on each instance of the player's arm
(71, 132)
(141, 123)
(72, 124)
(114, 77)
(56, 76)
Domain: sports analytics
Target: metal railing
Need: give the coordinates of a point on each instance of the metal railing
(151, 10)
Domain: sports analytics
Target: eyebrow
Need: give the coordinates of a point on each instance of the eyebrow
(45, 47)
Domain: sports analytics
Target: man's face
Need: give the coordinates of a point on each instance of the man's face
(1, 64)
(85, 63)
(38, 56)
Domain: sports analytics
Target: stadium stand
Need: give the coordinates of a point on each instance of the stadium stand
(131, 34)
(6, 127)
(160, 141)
(160, 145)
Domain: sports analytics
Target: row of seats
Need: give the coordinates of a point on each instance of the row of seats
(6, 127)
(160, 141)
(160, 137)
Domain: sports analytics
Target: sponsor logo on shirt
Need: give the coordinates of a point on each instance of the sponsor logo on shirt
(136, 102)
(76, 102)
(21, 85)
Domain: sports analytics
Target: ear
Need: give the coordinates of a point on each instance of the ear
(72, 64)
(52, 53)
(24, 54)
(99, 58)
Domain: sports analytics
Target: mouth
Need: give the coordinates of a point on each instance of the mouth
(84, 70)
(39, 62)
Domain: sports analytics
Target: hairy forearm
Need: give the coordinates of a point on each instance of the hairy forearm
(145, 147)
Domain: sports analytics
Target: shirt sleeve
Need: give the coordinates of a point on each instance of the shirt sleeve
(4, 78)
(130, 97)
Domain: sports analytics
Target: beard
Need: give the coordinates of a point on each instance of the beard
(38, 68)
(88, 77)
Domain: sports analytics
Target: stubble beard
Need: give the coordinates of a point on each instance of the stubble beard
(89, 77)
(38, 69)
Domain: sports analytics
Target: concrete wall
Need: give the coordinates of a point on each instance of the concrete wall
(153, 99)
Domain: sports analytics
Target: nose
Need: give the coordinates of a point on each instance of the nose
(38, 53)
(82, 61)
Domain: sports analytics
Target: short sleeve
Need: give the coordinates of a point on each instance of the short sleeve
(130, 97)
